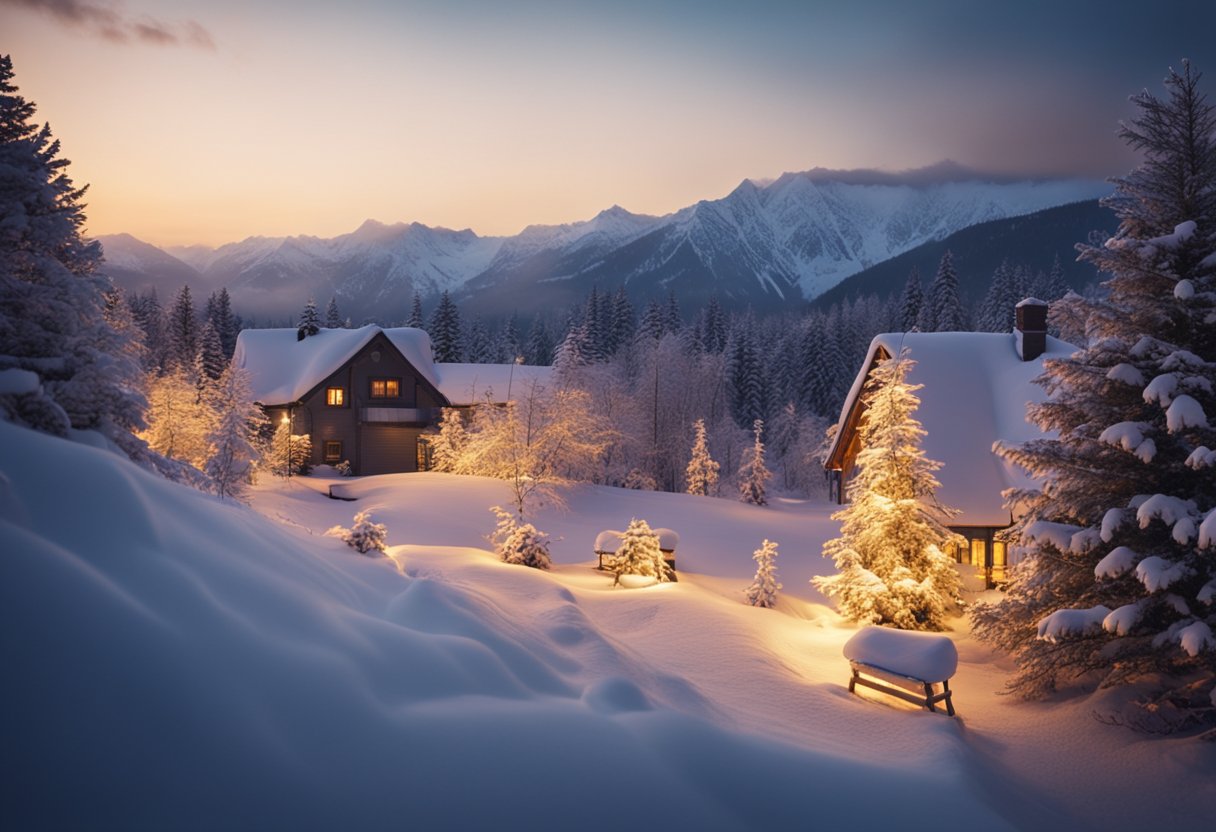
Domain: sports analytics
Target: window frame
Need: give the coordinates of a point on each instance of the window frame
(386, 381)
(340, 397)
(326, 456)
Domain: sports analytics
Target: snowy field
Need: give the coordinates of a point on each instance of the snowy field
(172, 662)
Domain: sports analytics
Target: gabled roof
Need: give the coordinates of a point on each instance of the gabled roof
(975, 393)
(283, 369)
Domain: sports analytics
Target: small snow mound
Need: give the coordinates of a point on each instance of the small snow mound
(616, 695)
(1063, 624)
(17, 382)
(637, 581)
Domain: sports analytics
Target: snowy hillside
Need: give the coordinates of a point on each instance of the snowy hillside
(767, 245)
(174, 662)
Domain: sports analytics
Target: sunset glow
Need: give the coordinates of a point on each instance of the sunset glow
(208, 122)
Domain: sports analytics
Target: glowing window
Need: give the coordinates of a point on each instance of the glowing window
(335, 396)
(999, 561)
(978, 553)
(386, 388)
(333, 450)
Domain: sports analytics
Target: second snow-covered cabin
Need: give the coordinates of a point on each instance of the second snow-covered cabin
(976, 388)
(368, 395)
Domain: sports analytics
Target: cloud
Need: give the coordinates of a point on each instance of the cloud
(105, 20)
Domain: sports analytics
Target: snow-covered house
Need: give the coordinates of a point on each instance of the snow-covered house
(367, 395)
(976, 388)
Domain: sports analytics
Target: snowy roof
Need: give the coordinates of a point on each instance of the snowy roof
(976, 389)
(283, 369)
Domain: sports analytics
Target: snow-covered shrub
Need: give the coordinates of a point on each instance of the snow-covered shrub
(343, 468)
(366, 536)
(289, 452)
(639, 554)
(763, 591)
(639, 480)
(519, 543)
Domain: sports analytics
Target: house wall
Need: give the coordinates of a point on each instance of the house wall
(370, 448)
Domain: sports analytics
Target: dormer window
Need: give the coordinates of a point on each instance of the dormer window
(386, 388)
(335, 396)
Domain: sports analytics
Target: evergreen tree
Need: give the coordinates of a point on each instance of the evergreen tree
(672, 320)
(702, 472)
(366, 536)
(639, 554)
(183, 332)
(444, 330)
(333, 318)
(947, 306)
(310, 320)
(650, 328)
(509, 346)
(594, 337)
(890, 560)
(911, 301)
(416, 320)
(226, 324)
(753, 474)
(763, 591)
(290, 453)
(150, 318)
(573, 351)
(713, 329)
(539, 349)
(234, 439)
(480, 349)
(67, 367)
(211, 359)
(1119, 577)
(745, 375)
(449, 443)
(520, 543)
(623, 323)
(996, 312)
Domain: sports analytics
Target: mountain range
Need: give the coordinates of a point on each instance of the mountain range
(770, 245)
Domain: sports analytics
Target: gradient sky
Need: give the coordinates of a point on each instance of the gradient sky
(206, 121)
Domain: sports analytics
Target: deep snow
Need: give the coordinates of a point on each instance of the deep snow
(175, 662)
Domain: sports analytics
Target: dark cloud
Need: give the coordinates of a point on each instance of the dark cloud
(105, 21)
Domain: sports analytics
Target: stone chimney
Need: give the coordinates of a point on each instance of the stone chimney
(1030, 333)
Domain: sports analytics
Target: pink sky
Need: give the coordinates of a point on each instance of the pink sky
(220, 120)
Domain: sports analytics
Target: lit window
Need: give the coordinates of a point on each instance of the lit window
(333, 450)
(335, 396)
(386, 388)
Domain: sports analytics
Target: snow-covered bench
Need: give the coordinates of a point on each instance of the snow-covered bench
(903, 664)
(608, 541)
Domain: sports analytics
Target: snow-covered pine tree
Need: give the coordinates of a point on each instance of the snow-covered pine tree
(745, 374)
(911, 301)
(753, 474)
(572, 352)
(539, 349)
(479, 348)
(444, 330)
(211, 358)
(448, 444)
(150, 318)
(310, 320)
(333, 318)
(234, 439)
(673, 321)
(227, 325)
(650, 328)
(290, 453)
(639, 554)
(416, 320)
(1119, 578)
(890, 560)
(764, 587)
(997, 308)
(182, 332)
(702, 472)
(947, 306)
(622, 318)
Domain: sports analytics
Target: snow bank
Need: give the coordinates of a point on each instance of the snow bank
(925, 656)
(174, 662)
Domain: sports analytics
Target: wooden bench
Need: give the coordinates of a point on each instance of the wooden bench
(608, 541)
(903, 664)
(907, 688)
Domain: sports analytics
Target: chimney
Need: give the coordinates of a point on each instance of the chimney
(1030, 333)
